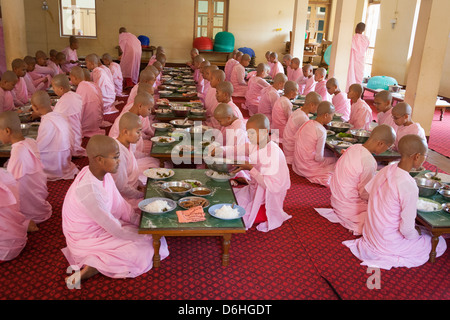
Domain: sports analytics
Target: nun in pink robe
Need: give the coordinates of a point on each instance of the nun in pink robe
(104, 80)
(92, 108)
(20, 93)
(70, 104)
(386, 118)
(26, 167)
(269, 96)
(309, 85)
(237, 79)
(414, 128)
(276, 68)
(269, 183)
(31, 87)
(282, 110)
(294, 74)
(342, 105)
(127, 177)
(389, 238)
(295, 121)
(6, 100)
(13, 224)
(360, 43)
(117, 76)
(253, 95)
(301, 81)
(360, 115)
(309, 159)
(71, 55)
(229, 65)
(354, 169)
(130, 61)
(55, 147)
(100, 228)
(321, 88)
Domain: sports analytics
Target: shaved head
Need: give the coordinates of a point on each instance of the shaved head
(107, 56)
(356, 87)
(246, 57)
(41, 100)
(77, 72)
(333, 82)
(260, 121)
(92, 58)
(11, 120)
(144, 98)
(17, 63)
(145, 87)
(225, 86)
(383, 133)
(153, 69)
(101, 145)
(147, 75)
(122, 29)
(384, 95)
(307, 67)
(40, 54)
(61, 80)
(401, 109)
(325, 107)
(322, 71)
(218, 74)
(129, 121)
(9, 76)
(290, 86)
(261, 67)
(313, 97)
(223, 110)
(280, 78)
(411, 144)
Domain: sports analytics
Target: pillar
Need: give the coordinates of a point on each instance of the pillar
(299, 29)
(14, 31)
(342, 41)
(427, 59)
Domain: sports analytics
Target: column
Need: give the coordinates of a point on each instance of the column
(13, 15)
(342, 41)
(299, 29)
(427, 58)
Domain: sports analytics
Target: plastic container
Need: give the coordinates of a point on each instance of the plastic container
(145, 41)
(224, 42)
(203, 44)
(381, 82)
(248, 51)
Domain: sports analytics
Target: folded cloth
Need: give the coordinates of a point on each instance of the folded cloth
(193, 214)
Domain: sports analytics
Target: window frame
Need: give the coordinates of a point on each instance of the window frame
(210, 25)
(61, 29)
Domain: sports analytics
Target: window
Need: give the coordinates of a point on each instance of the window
(372, 22)
(210, 17)
(78, 18)
(317, 20)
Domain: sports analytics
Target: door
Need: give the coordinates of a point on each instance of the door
(210, 17)
(317, 21)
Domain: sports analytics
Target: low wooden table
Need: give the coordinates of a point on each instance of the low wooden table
(438, 223)
(167, 225)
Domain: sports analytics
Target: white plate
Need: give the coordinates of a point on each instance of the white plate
(225, 177)
(172, 205)
(152, 173)
(445, 178)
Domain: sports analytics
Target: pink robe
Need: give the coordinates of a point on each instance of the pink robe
(354, 169)
(6, 100)
(294, 74)
(92, 108)
(71, 55)
(37, 79)
(360, 115)
(26, 167)
(310, 85)
(127, 176)
(389, 238)
(100, 228)
(54, 142)
(342, 105)
(269, 96)
(235, 134)
(13, 224)
(309, 159)
(20, 93)
(31, 87)
(44, 71)
(237, 79)
(295, 121)
(301, 81)
(116, 73)
(253, 96)
(130, 62)
(70, 105)
(414, 128)
(106, 85)
(210, 105)
(236, 111)
(386, 118)
(321, 89)
(276, 68)
(56, 68)
(269, 183)
(229, 65)
(360, 44)
(133, 93)
(282, 110)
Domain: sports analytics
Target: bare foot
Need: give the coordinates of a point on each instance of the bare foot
(85, 273)
(32, 227)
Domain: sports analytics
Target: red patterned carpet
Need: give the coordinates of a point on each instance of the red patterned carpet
(304, 259)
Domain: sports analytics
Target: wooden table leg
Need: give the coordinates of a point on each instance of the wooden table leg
(161, 162)
(156, 246)
(434, 242)
(442, 114)
(226, 249)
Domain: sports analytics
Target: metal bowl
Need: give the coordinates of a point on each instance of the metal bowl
(189, 202)
(427, 187)
(205, 190)
(25, 128)
(360, 134)
(220, 164)
(445, 193)
(338, 126)
(394, 88)
(178, 123)
(172, 194)
(161, 126)
(163, 140)
(172, 205)
(180, 111)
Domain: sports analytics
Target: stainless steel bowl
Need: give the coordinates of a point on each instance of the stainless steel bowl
(179, 123)
(220, 164)
(25, 128)
(395, 88)
(172, 194)
(338, 126)
(180, 111)
(360, 134)
(427, 187)
(445, 193)
(205, 190)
